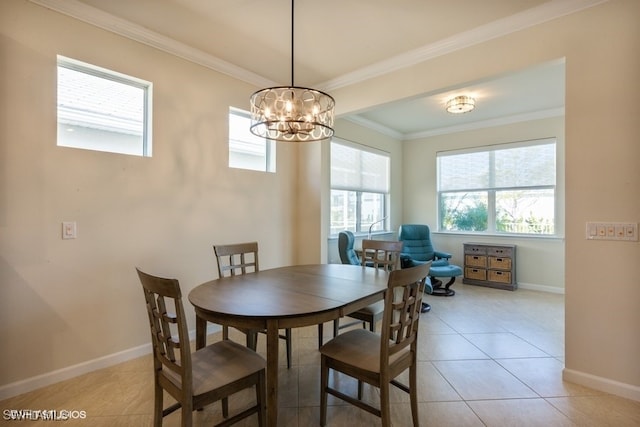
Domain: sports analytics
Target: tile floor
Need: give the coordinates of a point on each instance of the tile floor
(487, 357)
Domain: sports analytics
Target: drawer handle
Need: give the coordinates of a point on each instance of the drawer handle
(476, 257)
(499, 259)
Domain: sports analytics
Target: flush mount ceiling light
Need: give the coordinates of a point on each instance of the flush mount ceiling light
(292, 113)
(461, 104)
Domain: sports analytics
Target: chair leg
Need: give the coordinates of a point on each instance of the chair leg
(385, 410)
(187, 414)
(324, 383)
(320, 334)
(359, 389)
(225, 407)
(413, 393)
(261, 399)
(252, 340)
(225, 332)
(336, 327)
(157, 406)
(287, 333)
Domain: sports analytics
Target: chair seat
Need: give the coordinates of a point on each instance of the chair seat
(238, 362)
(355, 348)
(445, 271)
(372, 309)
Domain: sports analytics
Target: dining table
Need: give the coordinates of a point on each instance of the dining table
(284, 297)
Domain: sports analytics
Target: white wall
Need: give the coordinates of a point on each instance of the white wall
(539, 261)
(70, 302)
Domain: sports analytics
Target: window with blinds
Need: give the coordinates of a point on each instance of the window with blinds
(359, 188)
(507, 188)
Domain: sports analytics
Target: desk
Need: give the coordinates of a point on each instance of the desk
(286, 297)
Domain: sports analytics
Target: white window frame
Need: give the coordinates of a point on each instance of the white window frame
(248, 151)
(89, 116)
(544, 183)
(361, 188)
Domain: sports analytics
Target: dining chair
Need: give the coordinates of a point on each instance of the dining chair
(378, 359)
(196, 379)
(237, 259)
(383, 254)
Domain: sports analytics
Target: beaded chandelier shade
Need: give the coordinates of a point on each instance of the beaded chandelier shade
(292, 113)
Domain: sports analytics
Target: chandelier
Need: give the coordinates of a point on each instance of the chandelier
(292, 113)
(461, 104)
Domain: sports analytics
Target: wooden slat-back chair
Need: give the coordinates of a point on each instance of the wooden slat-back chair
(196, 379)
(378, 359)
(237, 259)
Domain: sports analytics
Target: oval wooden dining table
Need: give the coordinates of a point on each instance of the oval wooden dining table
(285, 297)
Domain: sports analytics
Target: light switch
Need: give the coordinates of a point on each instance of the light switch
(69, 230)
(612, 231)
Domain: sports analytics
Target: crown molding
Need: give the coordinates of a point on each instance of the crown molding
(374, 126)
(501, 121)
(534, 16)
(517, 22)
(122, 27)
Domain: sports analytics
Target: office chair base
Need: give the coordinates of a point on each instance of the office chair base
(439, 291)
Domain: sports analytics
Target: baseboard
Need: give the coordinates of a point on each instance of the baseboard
(627, 391)
(541, 288)
(43, 380)
(33, 383)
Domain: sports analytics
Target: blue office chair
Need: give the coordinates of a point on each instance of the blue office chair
(348, 255)
(418, 249)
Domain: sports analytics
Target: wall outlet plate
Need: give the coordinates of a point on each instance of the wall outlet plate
(626, 231)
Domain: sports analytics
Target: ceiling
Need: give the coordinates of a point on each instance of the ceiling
(338, 42)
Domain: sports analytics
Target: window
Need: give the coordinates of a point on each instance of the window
(102, 110)
(507, 188)
(247, 151)
(359, 189)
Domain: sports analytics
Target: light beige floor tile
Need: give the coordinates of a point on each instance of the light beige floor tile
(599, 411)
(444, 414)
(432, 386)
(431, 324)
(482, 379)
(520, 413)
(502, 391)
(551, 343)
(504, 345)
(544, 376)
(447, 347)
(470, 324)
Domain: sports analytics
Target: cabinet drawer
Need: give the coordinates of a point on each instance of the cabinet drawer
(475, 250)
(500, 252)
(475, 261)
(475, 273)
(500, 276)
(500, 263)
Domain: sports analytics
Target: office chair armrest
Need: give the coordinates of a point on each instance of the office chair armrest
(442, 255)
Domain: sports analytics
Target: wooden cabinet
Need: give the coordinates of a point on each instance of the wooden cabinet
(486, 264)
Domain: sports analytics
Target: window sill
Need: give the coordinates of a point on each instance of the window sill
(500, 235)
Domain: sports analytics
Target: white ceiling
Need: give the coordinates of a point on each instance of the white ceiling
(338, 42)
